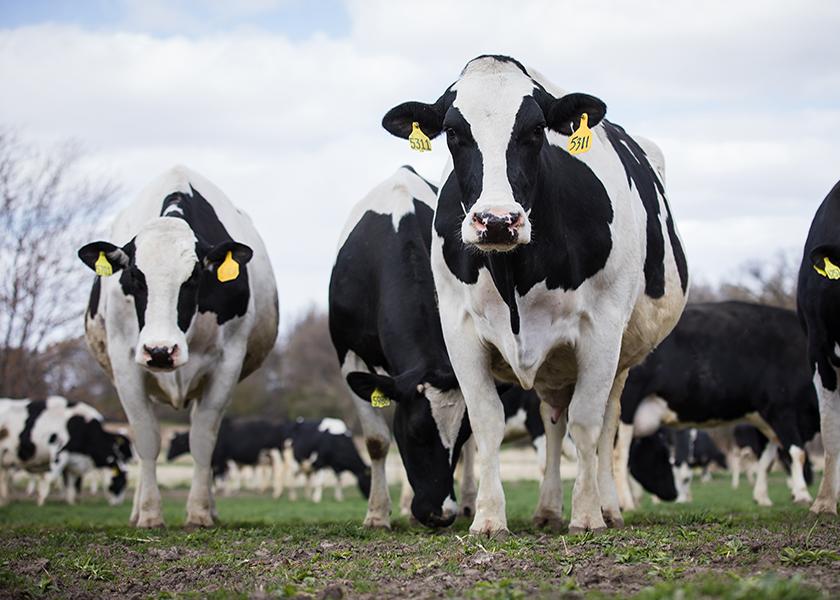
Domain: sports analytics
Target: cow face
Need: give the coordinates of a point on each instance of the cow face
(651, 465)
(495, 118)
(430, 428)
(165, 269)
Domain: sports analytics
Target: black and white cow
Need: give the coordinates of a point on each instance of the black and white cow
(59, 439)
(726, 362)
(241, 442)
(554, 271)
(324, 444)
(386, 331)
(817, 298)
(190, 310)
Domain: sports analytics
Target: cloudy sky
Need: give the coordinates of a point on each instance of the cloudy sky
(279, 102)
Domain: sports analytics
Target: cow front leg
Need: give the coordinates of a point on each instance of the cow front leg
(469, 489)
(829, 400)
(278, 472)
(406, 494)
(764, 463)
(610, 507)
(733, 461)
(549, 512)
(597, 356)
(621, 460)
(378, 442)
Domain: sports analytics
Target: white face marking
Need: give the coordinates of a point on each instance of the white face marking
(448, 409)
(165, 254)
(682, 479)
(489, 94)
(449, 508)
(333, 426)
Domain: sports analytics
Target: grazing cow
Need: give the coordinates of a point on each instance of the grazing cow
(60, 439)
(817, 296)
(190, 310)
(327, 444)
(749, 439)
(554, 271)
(386, 331)
(727, 362)
(241, 442)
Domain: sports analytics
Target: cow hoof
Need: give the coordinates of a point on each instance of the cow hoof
(576, 530)
(823, 507)
(150, 522)
(552, 522)
(491, 529)
(195, 521)
(374, 522)
(614, 522)
(764, 502)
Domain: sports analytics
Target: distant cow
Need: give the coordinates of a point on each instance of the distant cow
(557, 265)
(242, 442)
(327, 444)
(190, 310)
(386, 331)
(726, 362)
(818, 298)
(61, 439)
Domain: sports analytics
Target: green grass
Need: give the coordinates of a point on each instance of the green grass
(721, 545)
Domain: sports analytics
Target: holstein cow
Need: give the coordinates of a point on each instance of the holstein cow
(327, 444)
(726, 362)
(190, 310)
(241, 442)
(553, 271)
(386, 331)
(61, 439)
(817, 297)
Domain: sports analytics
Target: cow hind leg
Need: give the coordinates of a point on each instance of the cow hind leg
(610, 506)
(829, 400)
(621, 459)
(764, 463)
(377, 441)
(549, 512)
(278, 473)
(468, 484)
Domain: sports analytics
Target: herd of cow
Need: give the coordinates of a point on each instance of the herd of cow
(543, 280)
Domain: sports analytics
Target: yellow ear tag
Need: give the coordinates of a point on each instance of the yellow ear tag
(102, 266)
(228, 270)
(581, 140)
(831, 270)
(418, 140)
(115, 471)
(378, 399)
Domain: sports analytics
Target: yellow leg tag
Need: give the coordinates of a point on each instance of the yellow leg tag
(418, 140)
(581, 140)
(102, 267)
(228, 270)
(379, 400)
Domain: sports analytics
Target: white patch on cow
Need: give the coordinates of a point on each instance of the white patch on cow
(165, 254)
(798, 486)
(448, 409)
(653, 412)
(332, 426)
(682, 479)
(449, 508)
(829, 400)
(395, 196)
(515, 425)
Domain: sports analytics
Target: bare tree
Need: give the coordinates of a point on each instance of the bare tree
(48, 208)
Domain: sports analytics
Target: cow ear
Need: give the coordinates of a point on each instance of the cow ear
(116, 256)
(218, 253)
(824, 257)
(564, 114)
(398, 121)
(365, 385)
(443, 379)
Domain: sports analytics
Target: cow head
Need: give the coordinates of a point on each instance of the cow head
(651, 464)
(165, 269)
(107, 451)
(179, 444)
(430, 427)
(495, 118)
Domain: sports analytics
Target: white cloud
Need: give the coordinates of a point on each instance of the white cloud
(742, 97)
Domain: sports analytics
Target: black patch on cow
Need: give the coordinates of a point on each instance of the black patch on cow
(133, 283)
(93, 301)
(641, 175)
(53, 438)
(817, 296)
(725, 360)
(226, 300)
(570, 218)
(26, 447)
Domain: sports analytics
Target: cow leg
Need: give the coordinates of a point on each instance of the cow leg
(339, 488)
(44, 485)
(406, 494)
(799, 487)
(734, 462)
(829, 400)
(621, 459)
(278, 472)
(549, 512)
(70, 483)
(606, 444)
(233, 478)
(318, 488)
(764, 464)
(597, 357)
(378, 442)
(4, 484)
(468, 484)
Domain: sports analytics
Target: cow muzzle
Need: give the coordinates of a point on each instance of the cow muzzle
(496, 229)
(161, 356)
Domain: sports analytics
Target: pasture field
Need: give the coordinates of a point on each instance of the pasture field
(721, 545)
